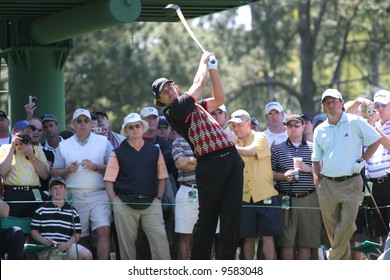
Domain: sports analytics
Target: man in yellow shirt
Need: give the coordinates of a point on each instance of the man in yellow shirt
(260, 217)
(21, 165)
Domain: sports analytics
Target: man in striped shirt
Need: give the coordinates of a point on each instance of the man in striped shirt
(301, 226)
(56, 224)
(378, 167)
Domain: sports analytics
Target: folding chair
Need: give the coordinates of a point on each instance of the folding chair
(369, 248)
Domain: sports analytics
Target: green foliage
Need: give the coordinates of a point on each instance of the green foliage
(293, 51)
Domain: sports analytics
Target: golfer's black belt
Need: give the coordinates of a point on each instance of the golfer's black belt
(341, 178)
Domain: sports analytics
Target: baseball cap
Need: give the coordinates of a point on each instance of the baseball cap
(23, 124)
(158, 86)
(162, 119)
(81, 111)
(223, 108)
(273, 106)
(3, 114)
(101, 112)
(56, 181)
(306, 117)
(382, 96)
(240, 116)
(255, 121)
(319, 118)
(48, 117)
(148, 111)
(332, 93)
(133, 117)
(294, 117)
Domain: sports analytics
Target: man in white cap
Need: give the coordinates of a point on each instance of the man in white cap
(81, 160)
(276, 131)
(338, 144)
(378, 166)
(260, 213)
(222, 117)
(135, 181)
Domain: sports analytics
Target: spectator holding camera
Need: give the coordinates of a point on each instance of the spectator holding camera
(21, 165)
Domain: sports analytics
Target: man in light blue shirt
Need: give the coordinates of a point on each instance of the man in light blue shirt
(338, 144)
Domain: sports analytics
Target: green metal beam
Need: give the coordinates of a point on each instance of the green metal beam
(84, 19)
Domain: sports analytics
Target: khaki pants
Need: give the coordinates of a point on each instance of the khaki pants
(339, 204)
(127, 221)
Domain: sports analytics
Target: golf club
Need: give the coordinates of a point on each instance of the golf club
(187, 27)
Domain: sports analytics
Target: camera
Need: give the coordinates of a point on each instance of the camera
(294, 172)
(25, 138)
(370, 110)
(33, 99)
(97, 130)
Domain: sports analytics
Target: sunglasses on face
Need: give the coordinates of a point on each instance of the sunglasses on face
(163, 127)
(294, 125)
(84, 120)
(38, 130)
(379, 105)
(131, 127)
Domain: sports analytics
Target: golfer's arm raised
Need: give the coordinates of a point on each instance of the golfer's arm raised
(201, 76)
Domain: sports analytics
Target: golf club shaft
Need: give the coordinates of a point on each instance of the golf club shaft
(188, 28)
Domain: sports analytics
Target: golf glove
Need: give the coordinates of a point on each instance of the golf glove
(212, 63)
(358, 165)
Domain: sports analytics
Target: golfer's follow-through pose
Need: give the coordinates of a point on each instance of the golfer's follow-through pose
(219, 171)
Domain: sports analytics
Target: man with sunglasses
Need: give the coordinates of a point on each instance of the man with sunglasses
(81, 160)
(22, 164)
(135, 181)
(337, 161)
(378, 166)
(219, 171)
(301, 221)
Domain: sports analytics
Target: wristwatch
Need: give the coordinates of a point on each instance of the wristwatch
(96, 167)
(191, 159)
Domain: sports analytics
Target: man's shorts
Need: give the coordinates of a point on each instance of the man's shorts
(259, 219)
(94, 209)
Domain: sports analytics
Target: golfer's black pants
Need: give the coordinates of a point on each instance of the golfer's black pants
(220, 182)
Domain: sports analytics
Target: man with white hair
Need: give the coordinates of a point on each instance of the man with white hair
(81, 160)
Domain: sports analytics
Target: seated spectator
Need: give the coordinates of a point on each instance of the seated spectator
(56, 224)
(11, 239)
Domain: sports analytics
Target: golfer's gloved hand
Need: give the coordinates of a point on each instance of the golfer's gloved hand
(212, 63)
(358, 165)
